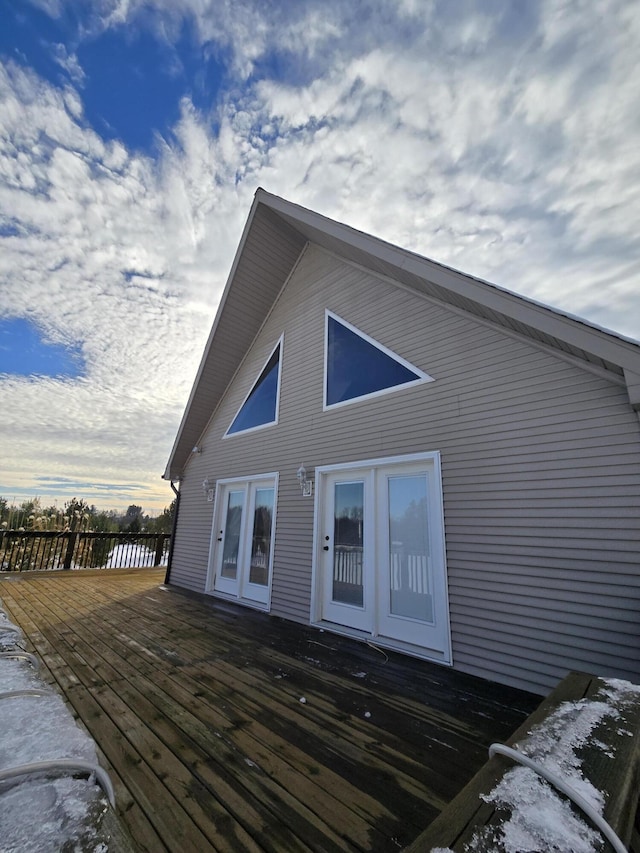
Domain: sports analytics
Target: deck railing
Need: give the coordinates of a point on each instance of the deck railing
(23, 551)
(408, 570)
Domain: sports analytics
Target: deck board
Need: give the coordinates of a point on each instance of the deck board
(195, 706)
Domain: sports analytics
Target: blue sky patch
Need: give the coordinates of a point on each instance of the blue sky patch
(24, 351)
(28, 36)
(134, 83)
(131, 81)
(9, 228)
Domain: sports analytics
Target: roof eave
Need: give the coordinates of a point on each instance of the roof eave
(308, 225)
(603, 343)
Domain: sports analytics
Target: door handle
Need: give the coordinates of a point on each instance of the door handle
(325, 548)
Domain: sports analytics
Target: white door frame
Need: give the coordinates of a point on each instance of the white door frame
(325, 475)
(261, 597)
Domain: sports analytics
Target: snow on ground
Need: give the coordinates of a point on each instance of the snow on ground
(131, 555)
(10, 634)
(42, 814)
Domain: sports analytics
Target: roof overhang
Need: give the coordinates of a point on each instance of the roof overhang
(275, 234)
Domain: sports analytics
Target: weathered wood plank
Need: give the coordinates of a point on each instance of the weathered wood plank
(456, 826)
(338, 747)
(273, 817)
(97, 671)
(195, 707)
(108, 690)
(132, 804)
(618, 735)
(136, 701)
(324, 793)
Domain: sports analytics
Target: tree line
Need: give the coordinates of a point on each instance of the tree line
(78, 515)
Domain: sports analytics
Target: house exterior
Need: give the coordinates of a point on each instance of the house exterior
(384, 447)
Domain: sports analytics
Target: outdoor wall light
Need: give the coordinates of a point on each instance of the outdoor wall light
(207, 489)
(306, 486)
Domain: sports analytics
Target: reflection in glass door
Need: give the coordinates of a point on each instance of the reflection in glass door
(256, 580)
(231, 546)
(409, 568)
(242, 544)
(413, 602)
(348, 544)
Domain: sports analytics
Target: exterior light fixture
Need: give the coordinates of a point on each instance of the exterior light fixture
(207, 489)
(197, 449)
(306, 486)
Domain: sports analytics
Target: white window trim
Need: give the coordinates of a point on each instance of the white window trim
(421, 380)
(279, 343)
(273, 477)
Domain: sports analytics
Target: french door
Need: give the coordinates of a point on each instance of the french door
(241, 556)
(347, 549)
(381, 559)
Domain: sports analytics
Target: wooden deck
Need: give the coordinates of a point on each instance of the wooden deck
(197, 708)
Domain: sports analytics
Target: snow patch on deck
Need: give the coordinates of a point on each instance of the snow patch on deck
(541, 818)
(40, 814)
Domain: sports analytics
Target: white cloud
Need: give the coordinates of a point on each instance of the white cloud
(115, 256)
(521, 167)
(69, 63)
(503, 144)
(51, 7)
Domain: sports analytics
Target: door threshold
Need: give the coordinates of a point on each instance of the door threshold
(233, 599)
(432, 655)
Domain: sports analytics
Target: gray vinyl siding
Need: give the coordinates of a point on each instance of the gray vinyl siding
(540, 467)
(265, 260)
(193, 531)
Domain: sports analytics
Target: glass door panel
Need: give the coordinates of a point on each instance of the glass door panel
(228, 530)
(257, 572)
(347, 529)
(410, 585)
(231, 535)
(348, 543)
(261, 539)
(413, 605)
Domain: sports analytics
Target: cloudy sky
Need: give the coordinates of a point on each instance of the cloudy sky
(501, 137)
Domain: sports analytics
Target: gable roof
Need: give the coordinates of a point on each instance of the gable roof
(275, 234)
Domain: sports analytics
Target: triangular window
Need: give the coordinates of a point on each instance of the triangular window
(357, 367)
(261, 406)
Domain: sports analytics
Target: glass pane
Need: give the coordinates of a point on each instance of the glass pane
(260, 406)
(356, 367)
(261, 541)
(232, 535)
(410, 573)
(348, 543)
